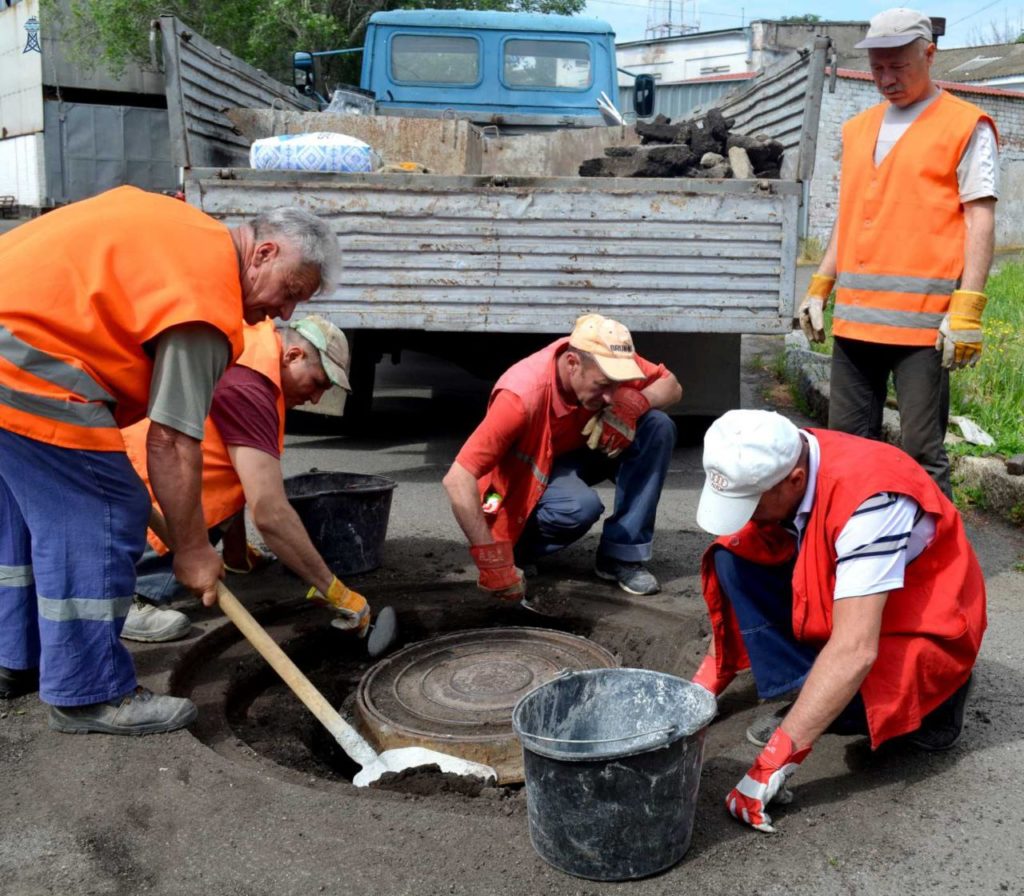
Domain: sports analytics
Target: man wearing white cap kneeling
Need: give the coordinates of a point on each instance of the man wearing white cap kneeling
(844, 573)
(583, 409)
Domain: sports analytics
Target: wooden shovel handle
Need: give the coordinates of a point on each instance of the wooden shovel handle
(348, 738)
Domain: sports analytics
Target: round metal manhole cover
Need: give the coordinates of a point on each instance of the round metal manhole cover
(456, 692)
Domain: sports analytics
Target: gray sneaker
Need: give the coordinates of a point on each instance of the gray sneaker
(633, 578)
(140, 712)
(150, 623)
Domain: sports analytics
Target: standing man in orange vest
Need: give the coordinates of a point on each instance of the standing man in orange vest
(242, 447)
(842, 573)
(911, 249)
(114, 308)
(584, 409)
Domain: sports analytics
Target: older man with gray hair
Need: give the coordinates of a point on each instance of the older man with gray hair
(126, 305)
(911, 248)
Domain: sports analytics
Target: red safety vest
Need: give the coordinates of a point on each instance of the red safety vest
(901, 224)
(85, 290)
(931, 628)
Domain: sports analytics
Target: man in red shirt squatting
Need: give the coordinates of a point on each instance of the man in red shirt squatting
(584, 409)
(843, 572)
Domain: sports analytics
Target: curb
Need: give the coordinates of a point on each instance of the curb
(808, 371)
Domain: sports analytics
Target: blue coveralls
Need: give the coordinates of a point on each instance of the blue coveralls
(72, 527)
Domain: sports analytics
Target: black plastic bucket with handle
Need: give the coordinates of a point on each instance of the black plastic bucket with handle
(612, 760)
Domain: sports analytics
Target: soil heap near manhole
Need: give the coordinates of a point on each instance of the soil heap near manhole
(455, 693)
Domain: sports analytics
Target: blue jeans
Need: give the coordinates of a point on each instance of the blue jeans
(72, 526)
(155, 579)
(569, 506)
(762, 598)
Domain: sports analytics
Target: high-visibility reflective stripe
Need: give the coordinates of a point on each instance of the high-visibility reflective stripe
(92, 416)
(929, 286)
(89, 609)
(32, 360)
(537, 474)
(915, 320)
(15, 576)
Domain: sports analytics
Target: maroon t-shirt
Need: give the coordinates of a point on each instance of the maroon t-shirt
(244, 410)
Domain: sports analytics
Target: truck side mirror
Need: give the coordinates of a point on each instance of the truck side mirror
(302, 71)
(643, 96)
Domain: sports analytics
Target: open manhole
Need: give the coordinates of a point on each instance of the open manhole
(455, 693)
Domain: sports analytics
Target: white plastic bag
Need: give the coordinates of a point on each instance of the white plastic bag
(320, 151)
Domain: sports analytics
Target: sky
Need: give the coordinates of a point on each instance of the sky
(967, 23)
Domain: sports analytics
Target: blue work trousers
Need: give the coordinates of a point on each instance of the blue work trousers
(569, 506)
(762, 598)
(155, 579)
(72, 526)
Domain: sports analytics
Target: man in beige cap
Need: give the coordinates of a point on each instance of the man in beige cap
(911, 248)
(584, 409)
(242, 446)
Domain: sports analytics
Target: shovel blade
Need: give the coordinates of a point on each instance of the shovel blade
(403, 758)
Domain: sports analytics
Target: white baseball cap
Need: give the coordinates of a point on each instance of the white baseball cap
(896, 28)
(745, 454)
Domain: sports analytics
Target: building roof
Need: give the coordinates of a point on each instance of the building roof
(693, 35)
(959, 87)
(979, 63)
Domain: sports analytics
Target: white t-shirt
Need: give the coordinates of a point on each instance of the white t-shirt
(978, 171)
(882, 537)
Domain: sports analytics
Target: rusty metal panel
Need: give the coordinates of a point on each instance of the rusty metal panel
(202, 81)
(482, 254)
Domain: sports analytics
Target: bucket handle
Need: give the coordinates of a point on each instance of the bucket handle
(605, 740)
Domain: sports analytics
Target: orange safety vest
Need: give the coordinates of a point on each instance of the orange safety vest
(901, 224)
(85, 290)
(222, 494)
(931, 627)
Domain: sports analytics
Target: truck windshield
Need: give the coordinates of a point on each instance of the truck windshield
(547, 63)
(435, 59)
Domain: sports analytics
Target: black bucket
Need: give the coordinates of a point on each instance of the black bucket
(613, 760)
(346, 516)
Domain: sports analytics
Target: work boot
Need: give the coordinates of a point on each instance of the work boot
(942, 727)
(148, 622)
(764, 726)
(17, 682)
(631, 577)
(140, 712)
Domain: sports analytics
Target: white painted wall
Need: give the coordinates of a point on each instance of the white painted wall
(21, 96)
(22, 169)
(685, 58)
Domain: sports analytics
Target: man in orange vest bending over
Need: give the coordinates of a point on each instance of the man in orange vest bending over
(584, 409)
(911, 248)
(844, 573)
(114, 308)
(242, 447)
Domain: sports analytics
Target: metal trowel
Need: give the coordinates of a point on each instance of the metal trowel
(382, 633)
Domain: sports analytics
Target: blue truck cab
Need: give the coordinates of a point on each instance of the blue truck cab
(504, 68)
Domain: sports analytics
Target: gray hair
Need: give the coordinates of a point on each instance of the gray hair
(290, 337)
(316, 242)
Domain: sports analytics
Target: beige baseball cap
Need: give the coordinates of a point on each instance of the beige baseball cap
(610, 344)
(331, 345)
(896, 28)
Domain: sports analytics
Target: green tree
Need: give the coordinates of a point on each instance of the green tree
(113, 32)
(806, 19)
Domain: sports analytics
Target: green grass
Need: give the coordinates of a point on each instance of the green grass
(992, 392)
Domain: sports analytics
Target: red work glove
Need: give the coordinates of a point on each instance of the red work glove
(766, 781)
(616, 424)
(498, 573)
(708, 678)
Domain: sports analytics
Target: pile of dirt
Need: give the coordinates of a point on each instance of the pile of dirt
(698, 147)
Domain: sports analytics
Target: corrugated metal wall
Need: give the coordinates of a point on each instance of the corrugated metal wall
(92, 148)
(676, 100)
(203, 80)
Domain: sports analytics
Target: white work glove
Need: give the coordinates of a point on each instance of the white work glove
(811, 313)
(960, 336)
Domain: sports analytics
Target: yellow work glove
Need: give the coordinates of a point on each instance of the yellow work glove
(811, 313)
(353, 610)
(959, 337)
